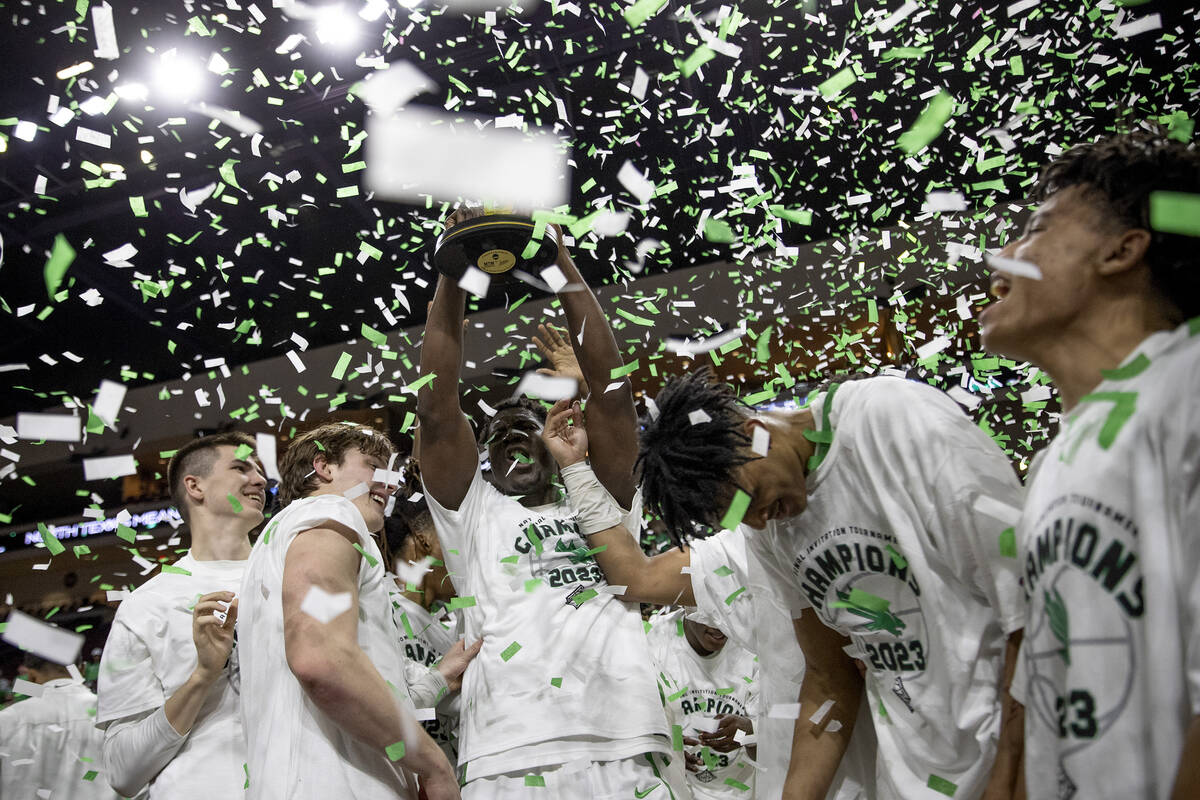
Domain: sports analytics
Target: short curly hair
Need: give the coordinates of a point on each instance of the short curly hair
(1120, 173)
(687, 468)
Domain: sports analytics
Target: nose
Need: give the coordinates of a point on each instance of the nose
(257, 479)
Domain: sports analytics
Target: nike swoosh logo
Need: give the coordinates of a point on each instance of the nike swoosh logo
(641, 794)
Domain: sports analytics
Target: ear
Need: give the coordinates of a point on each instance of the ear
(751, 423)
(321, 467)
(191, 485)
(1125, 252)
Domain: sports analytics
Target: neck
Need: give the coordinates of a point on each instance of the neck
(1075, 358)
(543, 498)
(790, 426)
(218, 539)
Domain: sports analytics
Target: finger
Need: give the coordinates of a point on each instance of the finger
(576, 413)
(475, 648)
(209, 606)
(542, 348)
(690, 740)
(558, 336)
(226, 596)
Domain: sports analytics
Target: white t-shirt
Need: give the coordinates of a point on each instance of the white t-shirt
(564, 673)
(50, 744)
(1110, 555)
(294, 749)
(425, 640)
(698, 690)
(900, 549)
(732, 588)
(150, 653)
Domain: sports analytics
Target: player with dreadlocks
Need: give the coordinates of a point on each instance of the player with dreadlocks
(877, 513)
(1111, 663)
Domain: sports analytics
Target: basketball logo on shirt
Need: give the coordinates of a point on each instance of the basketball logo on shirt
(1085, 591)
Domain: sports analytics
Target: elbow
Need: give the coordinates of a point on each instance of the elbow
(314, 666)
(121, 779)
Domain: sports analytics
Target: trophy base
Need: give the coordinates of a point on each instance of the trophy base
(493, 243)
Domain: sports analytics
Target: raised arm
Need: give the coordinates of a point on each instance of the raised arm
(648, 579)
(446, 448)
(829, 674)
(611, 418)
(333, 670)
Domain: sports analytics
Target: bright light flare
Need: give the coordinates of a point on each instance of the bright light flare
(131, 91)
(335, 26)
(179, 77)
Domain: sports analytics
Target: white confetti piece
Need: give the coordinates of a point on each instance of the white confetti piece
(234, 119)
(323, 606)
(1021, 5)
(193, 199)
(108, 401)
(699, 416)
(1150, 22)
(51, 427)
(266, 448)
(554, 278)
(22, 686)
(784, 711)
(414, 572)
(459, 160)
(47, 641)
(294, 357)
(387, 90)
(96, 469)
(897, 16)
(687, 348)
(546, 387)
(996, 509)
(357, 490)
(816, 718)
(475, 281)
(611, 223)
(116, 595)
(935, 345)
(760, 442)
(120, 256)
(635, 182)
(833, 727)
(641, 81)
(89, 136)
(618, 591)
(104, 32)
(1014, 266)
(944, 201)
(423, 714)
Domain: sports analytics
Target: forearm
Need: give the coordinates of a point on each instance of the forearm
(817, 753)
(137, 748)
(182, 708)
(1187, 779)
(441, 351)
(1003, 783)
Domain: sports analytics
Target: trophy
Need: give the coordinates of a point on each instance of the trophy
(496, 243)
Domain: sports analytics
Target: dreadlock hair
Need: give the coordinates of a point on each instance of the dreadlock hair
(521, 401)
(687, 469)
(1119, 174)
(197, 457)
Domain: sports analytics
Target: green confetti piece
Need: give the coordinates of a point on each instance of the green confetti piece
(510, 651)
(722, 571)
(243, 452)
(420, 383)
(622, 371)
(929, 124)
(532, 584)
(734, 595)
(90, 775)
(838, 82)
(860, 599)
(900, 561)
(535, 780)
(940, 784)
(710, 760)
(461, 602)
(373, 336)
(718, 230)
(227, 174)
(534, 539)
(737, 510)
(60, 259)
(1008, 543)
(741, 787)
(371, 560)
(556, 683)
(139, 207)
(797, 215)
(233, 501)
(701, 56)
(583, 597)
(1175, 212)
(169, 569)
(125, 532)
(677, 738)
(395, 752)
(1130, 370)
(642, 10)
(339, 371)
(407, 626)
(50, 540)
(1124, 404)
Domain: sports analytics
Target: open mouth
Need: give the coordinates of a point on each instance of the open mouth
(258, 497)
(379, 498)
(1001, 285)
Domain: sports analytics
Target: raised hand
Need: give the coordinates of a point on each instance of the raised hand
(564, 434)
(558, 352)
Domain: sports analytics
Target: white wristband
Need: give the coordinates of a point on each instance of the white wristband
(594, 507)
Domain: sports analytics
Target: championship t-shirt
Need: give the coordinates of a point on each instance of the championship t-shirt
(1110, 553)
(425, 639)
(564, 673)
(294, 748)
(150, 653)
(699, 689)
(906, 547)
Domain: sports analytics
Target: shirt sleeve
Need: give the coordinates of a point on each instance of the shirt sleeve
(128, 683)
(1186, 529)
(136, 748)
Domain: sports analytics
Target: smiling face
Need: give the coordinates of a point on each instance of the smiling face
(775, 483)
(357, 470)
(1066, 238)
(521, 464)
(231, 477)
